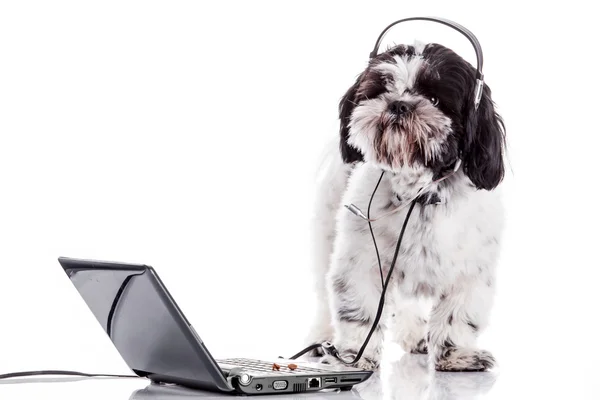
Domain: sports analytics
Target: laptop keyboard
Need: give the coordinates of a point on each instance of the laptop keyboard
(264, 366)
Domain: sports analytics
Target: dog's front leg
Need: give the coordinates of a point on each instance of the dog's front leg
(456, 320)
(354, 298)
(408, 323)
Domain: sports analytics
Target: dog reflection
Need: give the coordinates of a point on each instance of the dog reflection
(413, 378)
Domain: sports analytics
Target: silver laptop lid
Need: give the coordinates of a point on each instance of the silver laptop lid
(144, 323)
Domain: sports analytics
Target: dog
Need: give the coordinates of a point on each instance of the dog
(410, 116)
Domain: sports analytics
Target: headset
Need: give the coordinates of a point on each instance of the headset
(327, 347)
(461, 29)
(477, 98)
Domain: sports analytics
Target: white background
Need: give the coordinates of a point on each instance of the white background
(186, 135)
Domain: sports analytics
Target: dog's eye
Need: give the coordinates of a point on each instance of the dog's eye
(434, 100)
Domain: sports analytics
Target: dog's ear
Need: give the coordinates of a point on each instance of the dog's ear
(483, 151)
(347, 104)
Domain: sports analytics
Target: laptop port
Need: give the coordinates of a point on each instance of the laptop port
(280, 385)
(350, 380)
(314, 383)
(258, 387)
(330, 380)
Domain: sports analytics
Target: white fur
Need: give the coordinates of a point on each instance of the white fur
(331, 181)
(448, 256)
(429, 130)
(403, 72)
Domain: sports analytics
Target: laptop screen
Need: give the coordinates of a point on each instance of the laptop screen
(142, 321)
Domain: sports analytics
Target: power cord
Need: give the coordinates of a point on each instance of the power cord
(60, 372)
(330, 348)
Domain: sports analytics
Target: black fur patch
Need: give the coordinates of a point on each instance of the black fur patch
(340, 285)
(429, 198)
(473, 326)
(421, 348)
(351, 315)
(448, 347)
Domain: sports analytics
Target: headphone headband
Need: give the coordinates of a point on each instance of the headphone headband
(464, 31)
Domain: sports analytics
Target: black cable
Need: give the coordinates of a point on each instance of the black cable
(59, 372)
(382, 298)
(306, 350)
(371, 227)
(328, 347)
(75, 373)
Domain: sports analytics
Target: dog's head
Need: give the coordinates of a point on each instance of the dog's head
(414, 106)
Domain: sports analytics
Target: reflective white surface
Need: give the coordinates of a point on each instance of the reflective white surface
(406, 378)
(522, 375)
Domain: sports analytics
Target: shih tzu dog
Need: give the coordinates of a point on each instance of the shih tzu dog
(411, 115)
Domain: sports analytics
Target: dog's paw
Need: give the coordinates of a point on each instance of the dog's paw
(419, 348)
(329, 360)
(319, 335)
(364, 363)
(457, 359)
(412, 342)
(409, 331)
(318, 351)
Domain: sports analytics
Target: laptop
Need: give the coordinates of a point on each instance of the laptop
(156, 340)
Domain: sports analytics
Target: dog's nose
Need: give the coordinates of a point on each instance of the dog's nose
(399, 107)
